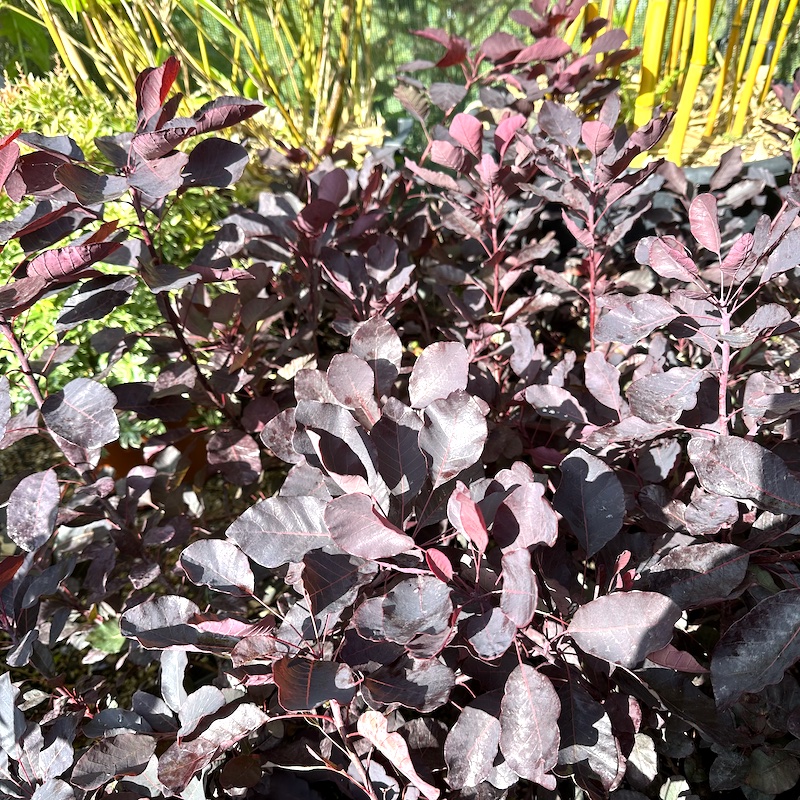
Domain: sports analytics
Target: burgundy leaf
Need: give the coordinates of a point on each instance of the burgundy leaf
(624, 627)
(520, 595)
(466, 517)
(236, 455)
(331, 581)
(468, 132)
(591, 500)
(32, 510)
(501, 46)
(665, 396)
(204, 702)
(454, 435)
(704, 223)
(152, 87)
(220, 565)
(560, 122)
(66, 261)
(334, 187)
(400, 460)
(446, 96)
(373, 727)
(455, 46)
(82, 413)
(353, 384)
(281, 529)
(55, 145)
(215, 162)
(471, 745)
(438, 563)
(490, 634)
(672, 658)
(695, 574)
(419, 605)
(223, 112)
(376, 342)
(632, 321)
(94, 299)
(505, 132)
(529, 737)
(159, 178)
(9, 154)
(602, 381)
(596, 136)
(525, 518)
(421, 684)
(548, 48)
(758, 648)
(161, 621)
(555, 402)
(735, 467)
(357, 528)
(669, 260)
(124, 754)
(452, 156)
(730, 167)
(155, 144)
(304, 684)
(784, 257)
(91, 187)
(441, 368)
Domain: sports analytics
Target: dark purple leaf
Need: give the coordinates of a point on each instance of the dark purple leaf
(91, 187)
(154, 144)
(421, 684)
(215, 162)
(53, 789)
(446, 96)
(376, 342)
(413, 101)
(161, 622)
(695, 574)
(5, 405)
(204, 702)
(456, 158)
(555, 402)
(456, 48)
(219, 565)
(665, 396)
(757, 648)
(32, 510)
(529, 737)
(236, 455)
(418, 605)
(587, 738)
(358, 528)
(21, 295)
(125, 754)
(704, 223)
(730, 167)
(331, 581)
(66, 261)
(490, 634)
(471, 745)
(454, 435)
(334, 187)
(632, 321)
(223, 112)
(281, 529)
(784, 257)
(506, 130)
(501, 46)
(525, 519)
(152, 87)
(94, 299)
(58, 145)
(433, 177)
(669, 260)
(596, 136)
(624, 627)
(304, 684)
(277, 437)
(400, 460)
(468, 132)
(441, 369)
(739, 261)
(83, 414)
(353, 384)
(158, 178)
(173, 672)
(602, 380)
(466, 517)
(9, 154)
(12, 720)
(560, 122)
(548, 48)
(182, 760)
(734, 467)
(520, 595)
(591, 500)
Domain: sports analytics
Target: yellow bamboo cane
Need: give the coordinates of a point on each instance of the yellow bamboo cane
(719, 89)
(788, 16)
(655, 25)
(746, 93)
(630, 17)
(692, 82)
(686, 37)
(575, 26)
(747, 41)
(677, 37)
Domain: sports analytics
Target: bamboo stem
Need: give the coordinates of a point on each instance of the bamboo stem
(747, 41)
(654, 28)
(788, 16)
(677, 37)
(630, 17)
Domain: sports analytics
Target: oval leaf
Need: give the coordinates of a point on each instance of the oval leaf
(703, 222)
(219, 565)
(304, 684)
(32, 510)
(468, 132)
(471, 746)
(83, 414)
(441, 369)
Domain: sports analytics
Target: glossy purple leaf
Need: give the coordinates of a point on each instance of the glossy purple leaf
(556, 403)
(160, 622)
(53, 789)
(376, 342)
(602, 381)
(624, 627)
(236, 455)
(560, 122)
(466, 517)
(159, 178)
(67, 261)
(353, 384)
(94, 299)
(501, 46)
(472, 744)
(739, 262)
(442, 368)
(596, 136)
(697, 574)
(548, 48)
(520, 594)
(125, 754)
(279, 530)
(468, 132)
(400, 460)
(331, 581)
(669, 260)
(82, 413)
(304, 684)
(588, 743)
(277, 437)
(784, 257)
(418, 605)
(758, 648)
(665, 396)
(12, 720)
(215, 162)
(173, 674)
(204, 702)
(455, 47)
(223, 112)
(358, 528)
(704, 223)
(155, 144)
(152, 87)
(220, 565)
(632, 321)
(525, 518)
(490, 634)
(424, 685)
(58, 145)
(91, 187)
(446, 96)
(591, 500)
(734, 467)
(454, 435)
(182, 760)
(529, 714)
(32, 510)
